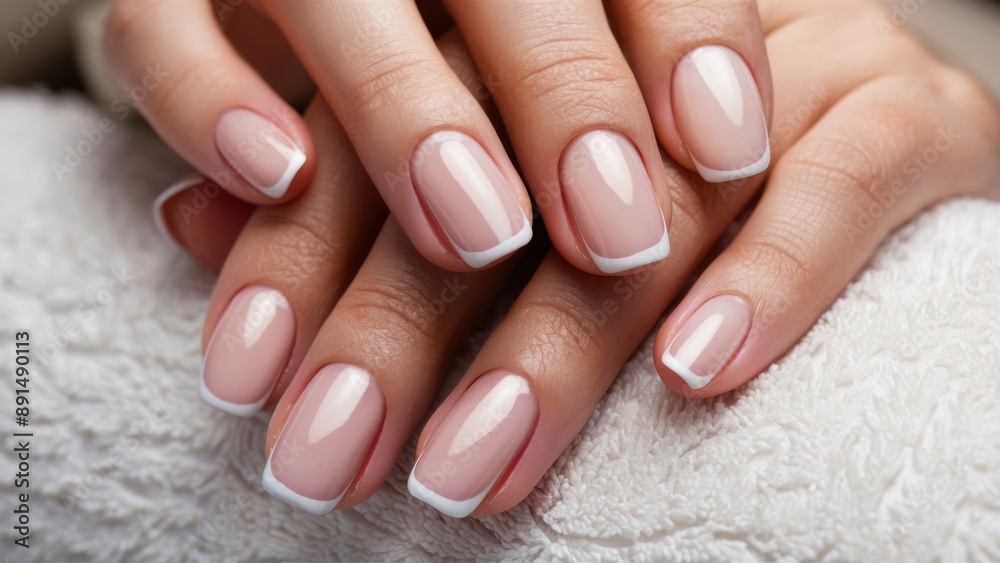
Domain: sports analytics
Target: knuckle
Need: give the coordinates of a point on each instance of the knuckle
(569, 73)
(393, 304)
(777, 255)
(830, 167)
(301, 248)
(201, 77)
(695, 22)
(562, 321)
(392, 81)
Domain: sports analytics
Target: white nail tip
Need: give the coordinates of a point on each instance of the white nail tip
(692, 379)
(295, 161)
(158, 219)
(278, 490)
(718, 176)
(486, 257)
(453, 508)
(651, 255)
(211, 400)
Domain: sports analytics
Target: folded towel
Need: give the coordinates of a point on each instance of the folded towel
(874, 439)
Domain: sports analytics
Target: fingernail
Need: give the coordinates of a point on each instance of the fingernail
(707, 339)
(248, 351)
(160, 220)
(259, 151)
(468, 197)
(326, 439)
(719, 114)
(475, 444)
(612, 202)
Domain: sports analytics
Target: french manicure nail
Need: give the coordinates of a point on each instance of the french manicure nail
(248, 351)
(160, 220)
(326, 438)
(612, 202)
(259, 151)
(475, 443)
(468, 197)
(708, 339)
(719, 114)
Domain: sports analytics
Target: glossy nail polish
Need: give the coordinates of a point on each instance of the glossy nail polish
(468, 198)
(327, 436)
(707, 339)
(612, 203)
(475, 443)
(719, 114)
(248, 351)
(259, 151)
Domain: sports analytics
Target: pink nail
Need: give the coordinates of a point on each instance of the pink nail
(475, 444)
(468, 197)
(248, 351)
(707, 339)
(326, 439)
(719, 114)
(612, 202)
(259, 151)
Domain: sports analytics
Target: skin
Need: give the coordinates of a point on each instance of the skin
(388, 85)
(885, 102)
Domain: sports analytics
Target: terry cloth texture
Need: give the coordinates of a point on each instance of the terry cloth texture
(874, 439)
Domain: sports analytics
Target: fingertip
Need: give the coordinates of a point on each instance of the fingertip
(198, 216)
(262, 153)
(160, 207)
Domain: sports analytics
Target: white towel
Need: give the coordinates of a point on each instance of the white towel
(875, 438)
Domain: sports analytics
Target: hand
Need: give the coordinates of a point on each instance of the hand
(574, 108)
(870, 130)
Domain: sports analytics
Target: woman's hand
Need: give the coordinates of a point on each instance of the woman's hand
(576, 111)
(870, 129)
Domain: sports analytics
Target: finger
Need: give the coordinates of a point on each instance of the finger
(289, 266)
(579, 127)
(426, 143)
(706, 80)
(370, 375)
(263, 46)
(201, 218)
(205, 101)
(566, 335)
(538, 378)
(866, 167)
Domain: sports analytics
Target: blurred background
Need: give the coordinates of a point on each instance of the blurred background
(57, 42)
